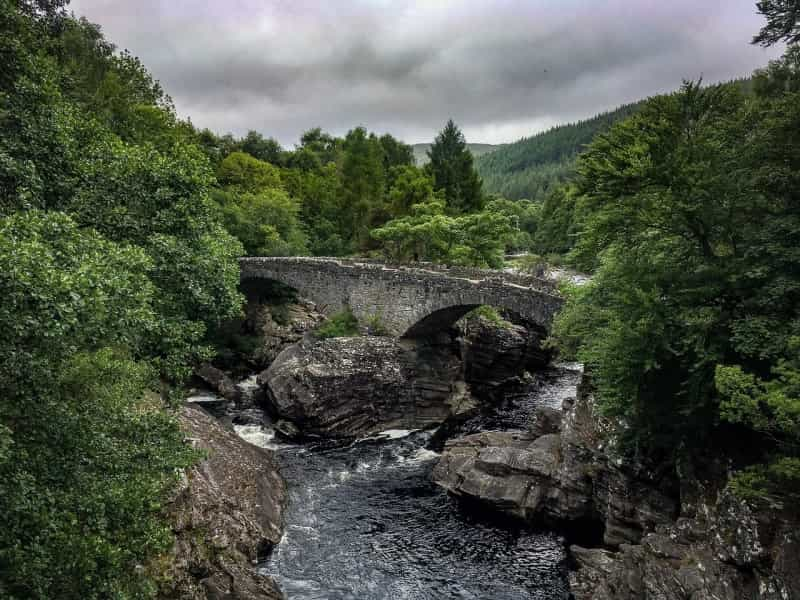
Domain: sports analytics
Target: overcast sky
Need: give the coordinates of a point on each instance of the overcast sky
(502, 69)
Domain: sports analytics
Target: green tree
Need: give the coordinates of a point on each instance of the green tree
(326, 147)
(425, 234)
(85, 457)
(265, 149)
(428, 233)
(395, 152)
(524, 217)
(247, 174)
(411, 186)
(317, 192)
(690, 210)
(783, 22)
(113, 266)
(267, 223)
(453, 172)
(362, 195)
(556, 229)
(484, 237)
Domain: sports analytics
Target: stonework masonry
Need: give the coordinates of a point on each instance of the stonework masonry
(410, 301)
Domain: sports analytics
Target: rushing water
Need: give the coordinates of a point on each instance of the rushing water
(365, 522)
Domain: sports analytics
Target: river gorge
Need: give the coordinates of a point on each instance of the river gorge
(467, 466)
(365, 520)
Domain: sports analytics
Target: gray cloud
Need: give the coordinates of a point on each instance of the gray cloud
(501, 68)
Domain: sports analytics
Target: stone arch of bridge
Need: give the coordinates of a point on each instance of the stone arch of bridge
(445, 318)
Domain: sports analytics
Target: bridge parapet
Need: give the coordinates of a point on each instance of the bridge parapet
(410, 300)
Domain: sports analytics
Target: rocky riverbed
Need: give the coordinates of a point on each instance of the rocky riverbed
(644, 533)
(497, 478)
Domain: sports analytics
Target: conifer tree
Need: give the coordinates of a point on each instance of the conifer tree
(453, 171)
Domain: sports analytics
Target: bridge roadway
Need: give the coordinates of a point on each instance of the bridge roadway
(410, 300)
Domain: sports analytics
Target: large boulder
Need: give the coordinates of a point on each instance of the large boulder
(554, 477)
(644, 543)
(227, 515)
(498, 352)
(280, 326)
(218, 381)
(345, 387)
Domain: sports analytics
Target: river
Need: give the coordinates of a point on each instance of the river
(365, 522)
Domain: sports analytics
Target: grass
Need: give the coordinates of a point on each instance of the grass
(342, 324)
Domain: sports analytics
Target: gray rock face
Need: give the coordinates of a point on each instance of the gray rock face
(682, 561)
(554, 477)
(281, 326)
(711, 547)
(227, 514)
(218, 381)
(344, 387)
(494, 354)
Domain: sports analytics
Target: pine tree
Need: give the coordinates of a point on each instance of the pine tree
(453, 171)
(783, 22)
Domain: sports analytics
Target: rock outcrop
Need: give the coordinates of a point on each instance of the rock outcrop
(345, 387)
(494, 354)
(644, 543)
(227, 514)
(279, 326)
(218, 381)
(558, 477)
(719, 548)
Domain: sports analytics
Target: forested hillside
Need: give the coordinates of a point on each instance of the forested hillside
(534, 166)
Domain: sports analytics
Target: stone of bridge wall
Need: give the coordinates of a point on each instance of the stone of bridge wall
(407, 301)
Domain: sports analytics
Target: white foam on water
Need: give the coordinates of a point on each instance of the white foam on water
(423, 455)
(257, 435)
(200, 397)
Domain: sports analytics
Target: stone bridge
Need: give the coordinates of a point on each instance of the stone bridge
(410, 301)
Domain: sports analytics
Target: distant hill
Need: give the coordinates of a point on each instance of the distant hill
(530, 167)
(421, 157)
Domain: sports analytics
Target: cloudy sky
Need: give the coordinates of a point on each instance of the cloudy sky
(502, 69)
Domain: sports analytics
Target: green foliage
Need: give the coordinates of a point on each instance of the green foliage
(112, 267)
(477, 239)
(317, 192)
(362, 193)
(453, 173)
(410, 186)
(489, 314)
(137, 195)
(242, 172)
(376, 326)
(689, 212)
(556, 229)
(267, 223)
(395, 152)
(780, 75)
(264, 149)
(84, 463)
(524, 217)
(341, 324)
(783, 22)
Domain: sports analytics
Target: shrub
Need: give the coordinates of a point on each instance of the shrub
(342, 324)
